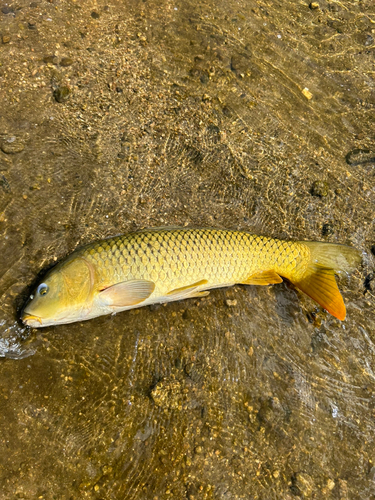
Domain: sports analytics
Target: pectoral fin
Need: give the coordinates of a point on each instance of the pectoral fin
(263, 278)
(127, 293)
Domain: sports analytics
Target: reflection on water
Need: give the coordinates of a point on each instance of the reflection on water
(116, 117)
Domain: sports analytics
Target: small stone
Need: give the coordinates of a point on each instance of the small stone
(168, 394)
(7, 10)
(107, 469)
(204, 78)
(198, 450)
(31, 26)
(66, 61)
(314, 5)
(95, 15)
(5, 38)
(334, 7)
(320, 189)
(303, 483)
(328, 229)
(306, 92)
(231, 303)
(336, 25)
(368, 282)
(4, 184)
(373, 249)
(12, 145)
(240, 65)
(371, 474)
(369, 41)
(61, 94)
(50, 60)
(227, 112)
(330, 484)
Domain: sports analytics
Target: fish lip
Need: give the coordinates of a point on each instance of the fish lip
(31, 320)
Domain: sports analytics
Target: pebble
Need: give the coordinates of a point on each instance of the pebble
(306, 92)
(231, 303)
(320, 189)
(5, 184)
(369, 40)
(5, 38)
(12, 145)
(66, 61)
(328, 229)
(7, 10)
(95, 15)
(304, 483)
(314, 5)
(50, 60)
(330, 484)
(61, 94)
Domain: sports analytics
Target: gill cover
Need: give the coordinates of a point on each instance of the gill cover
(63, 296)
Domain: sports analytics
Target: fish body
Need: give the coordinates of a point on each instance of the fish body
(164, 265)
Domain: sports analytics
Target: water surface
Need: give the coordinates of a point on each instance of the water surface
(251, 115)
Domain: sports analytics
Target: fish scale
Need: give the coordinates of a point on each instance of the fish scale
(163, 265)
(170, 257)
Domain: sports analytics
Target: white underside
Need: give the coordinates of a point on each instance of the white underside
(100, 309)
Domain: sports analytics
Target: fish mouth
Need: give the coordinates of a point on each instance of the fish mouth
(31, 320)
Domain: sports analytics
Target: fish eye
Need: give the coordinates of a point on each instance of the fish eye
(42, 289)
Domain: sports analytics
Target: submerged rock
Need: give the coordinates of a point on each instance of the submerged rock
(12, 145)
(61, 94)
(320, 189)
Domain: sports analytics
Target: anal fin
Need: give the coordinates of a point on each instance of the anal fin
(263, 278)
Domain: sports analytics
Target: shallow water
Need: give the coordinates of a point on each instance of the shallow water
(251, 115)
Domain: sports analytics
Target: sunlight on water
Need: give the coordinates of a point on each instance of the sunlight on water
(242, 115)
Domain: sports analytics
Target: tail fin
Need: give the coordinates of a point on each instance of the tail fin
(318, 280)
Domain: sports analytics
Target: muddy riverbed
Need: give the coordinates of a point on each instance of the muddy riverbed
(253, 115)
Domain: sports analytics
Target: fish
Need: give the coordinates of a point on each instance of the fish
(164, 265)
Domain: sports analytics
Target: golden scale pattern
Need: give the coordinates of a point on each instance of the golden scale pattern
(175, 258)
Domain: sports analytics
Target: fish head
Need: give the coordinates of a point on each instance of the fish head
(64, 296)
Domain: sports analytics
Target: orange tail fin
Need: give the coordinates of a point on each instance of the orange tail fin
(318, 281)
